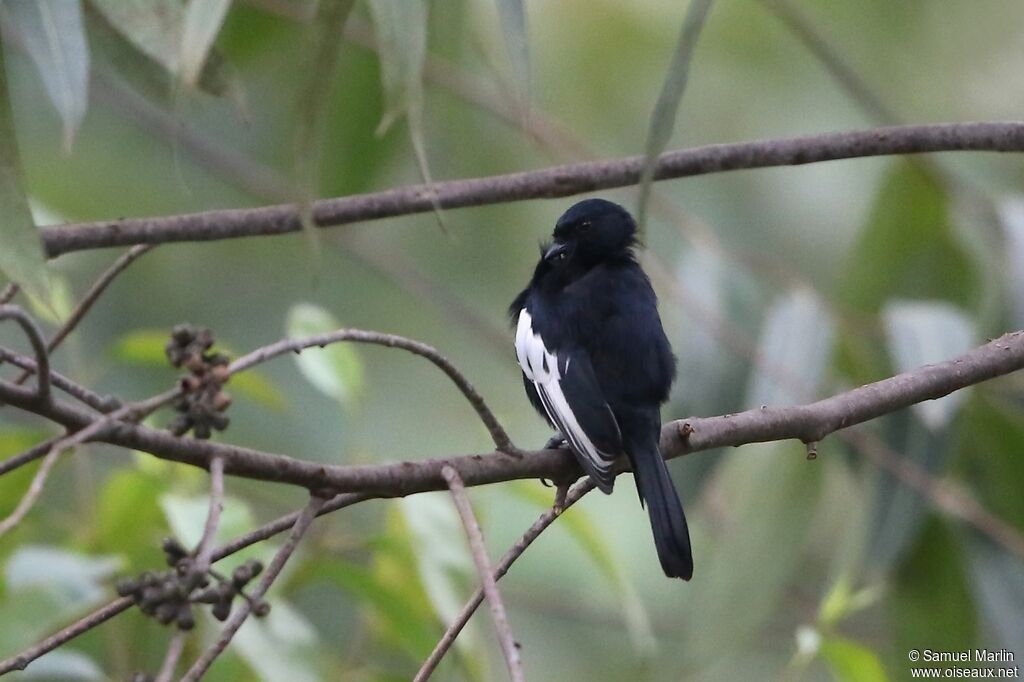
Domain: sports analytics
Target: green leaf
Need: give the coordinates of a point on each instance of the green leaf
(66, 665)
(401, 29)
(314, 104)
(930, 604)
(443, 562)
(397, 608)
(581, 527)
(924, 333)
(852, 662)
(997, 581)
(142, 347)
(663, 118)
(280, 647)
(21, 258)
(746, 571)
(1011, 213)
(154, 27)
(897, 511)
(335, 370)
(512, 14)
(76, 579)
(908, 249)
(53, 35)
(258, 388)
(200, 26)
(794, 350)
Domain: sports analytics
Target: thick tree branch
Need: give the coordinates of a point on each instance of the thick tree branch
(808, 423)
(558, 181)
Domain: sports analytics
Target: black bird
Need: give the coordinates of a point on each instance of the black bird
(597, 365)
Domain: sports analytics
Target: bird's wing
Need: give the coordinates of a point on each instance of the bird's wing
(573, 400)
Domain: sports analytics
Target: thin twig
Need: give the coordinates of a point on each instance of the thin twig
(204, 550)
(131, 412)
(9, 292)
(35, 489)
(302, 523)
(97, 617)
(264, 532)
(35, 337)
(90, 298)
(171, 658)
(509, 647)
(501, 440)
(283, 523)
(74, 389)
(553, 182)
(514, 552)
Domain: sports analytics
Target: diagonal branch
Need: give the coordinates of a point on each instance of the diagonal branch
(514, 552)
(90, 298)
(302, 523)
(483, 566)
(557, 181)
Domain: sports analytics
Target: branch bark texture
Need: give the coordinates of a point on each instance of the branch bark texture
(808, 423)
(547, 183)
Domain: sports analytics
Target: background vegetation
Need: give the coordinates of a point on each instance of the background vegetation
(778, 286)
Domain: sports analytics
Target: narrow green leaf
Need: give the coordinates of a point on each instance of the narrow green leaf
(21, 250)
(142, 347)
(582, 529)
(794, 349)
(200, 26)
(67, 665)
(335, 370)
(908, 248)
(512, 14)
(282, 647)
(154, 27)
(852, 662)
(923, 333)
(401, 30)
(745, 572)
(663, 118)
(313, 106)
(897, 512)
(997, 581)
(1011, 213)
(52, 32)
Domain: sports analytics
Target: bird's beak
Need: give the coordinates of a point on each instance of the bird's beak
(555, 249)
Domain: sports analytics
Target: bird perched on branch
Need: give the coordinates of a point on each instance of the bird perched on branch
(597, 365)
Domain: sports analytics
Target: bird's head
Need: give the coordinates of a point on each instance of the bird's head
(592, 232)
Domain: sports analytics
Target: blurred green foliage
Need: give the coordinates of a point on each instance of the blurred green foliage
(777, 286)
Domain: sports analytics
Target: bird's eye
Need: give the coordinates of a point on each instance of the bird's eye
(560, 257)
(584, 226)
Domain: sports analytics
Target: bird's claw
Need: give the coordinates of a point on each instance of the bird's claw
(556, 442)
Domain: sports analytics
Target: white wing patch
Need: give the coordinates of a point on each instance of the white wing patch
(542, 368)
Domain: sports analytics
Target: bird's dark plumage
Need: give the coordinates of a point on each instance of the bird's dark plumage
(597, 365)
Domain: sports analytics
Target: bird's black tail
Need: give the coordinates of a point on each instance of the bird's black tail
(671, 536)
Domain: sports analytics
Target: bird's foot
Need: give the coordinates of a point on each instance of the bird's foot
(560, 492)
(555, 442)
